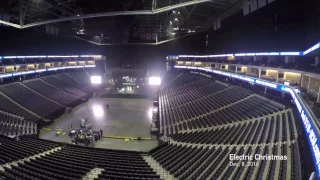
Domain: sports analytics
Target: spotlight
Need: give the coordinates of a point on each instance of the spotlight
(154, 81)
(95, 79)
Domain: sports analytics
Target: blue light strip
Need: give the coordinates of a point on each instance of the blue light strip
(302, 53)
(290, 53)
(309, 125)
(268, 54)
(242, 54)
(49, 56)
(9, 57)
(32, 56)
(317, 46)
(42, 70)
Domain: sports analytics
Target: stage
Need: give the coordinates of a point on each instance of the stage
(125, 118)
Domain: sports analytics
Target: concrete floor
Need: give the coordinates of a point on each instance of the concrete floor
(125, 117)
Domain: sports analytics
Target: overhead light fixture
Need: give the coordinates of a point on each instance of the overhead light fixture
(176, 19)
(170, 22)
(174, 11)
(78, 14)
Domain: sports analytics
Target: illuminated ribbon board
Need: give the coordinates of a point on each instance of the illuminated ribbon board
(49, 56)
(309, 127)
(296, 53)
(317, 46)
(42, 70)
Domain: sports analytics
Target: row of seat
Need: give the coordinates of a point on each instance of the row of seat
(30, 95)
(250, 108)
(180, 80)
(80, 76)
(66, 77)
(193, 162)
(14, 150)
(202, 92)
(268, 130)
(61, 84)
(70, 162)
(30, 99)
(202, 106)
(8, 106)
(185, 89)
(13, 126)
(52, 92)
(206, 129)
(83, 84)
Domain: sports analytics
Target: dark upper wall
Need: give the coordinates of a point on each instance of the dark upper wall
(154, 56)
(297, 28)
(312, 21)
(257, 31)
(28, 42)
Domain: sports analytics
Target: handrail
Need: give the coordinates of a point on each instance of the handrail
(310, 111)
(311, 129)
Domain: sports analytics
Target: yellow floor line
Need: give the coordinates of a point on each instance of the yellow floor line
(123, 137)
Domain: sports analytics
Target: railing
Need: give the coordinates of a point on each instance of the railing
(308, 118)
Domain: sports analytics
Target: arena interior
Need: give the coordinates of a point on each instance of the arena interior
(159, 89)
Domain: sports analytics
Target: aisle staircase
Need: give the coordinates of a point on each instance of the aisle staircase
(164, 174)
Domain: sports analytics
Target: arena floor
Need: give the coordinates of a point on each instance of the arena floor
(125, 117)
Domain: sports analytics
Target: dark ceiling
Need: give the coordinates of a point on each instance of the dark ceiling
(105, 22)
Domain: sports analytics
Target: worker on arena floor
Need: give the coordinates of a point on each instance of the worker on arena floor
(83, 123)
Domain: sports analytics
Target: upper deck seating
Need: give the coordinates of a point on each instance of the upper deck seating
(64, 86)
(31, 100)
(80, 76)
(52, 92)
(9, 106)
